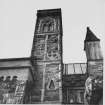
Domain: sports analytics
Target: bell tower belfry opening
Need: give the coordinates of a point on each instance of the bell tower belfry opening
(47, 57)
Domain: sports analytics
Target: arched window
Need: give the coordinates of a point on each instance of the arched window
(14, 79)
(71, 98)
(8, 78)
(1, 78)
(51, 85)
(51, 26)
(45, 28)
(47, 25)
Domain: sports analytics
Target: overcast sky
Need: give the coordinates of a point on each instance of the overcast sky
(18, 18)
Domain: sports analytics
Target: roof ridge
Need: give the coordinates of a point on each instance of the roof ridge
(90, 36)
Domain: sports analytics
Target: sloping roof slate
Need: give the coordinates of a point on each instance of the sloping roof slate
(90, 36)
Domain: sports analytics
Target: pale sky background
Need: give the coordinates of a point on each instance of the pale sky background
(18, 18)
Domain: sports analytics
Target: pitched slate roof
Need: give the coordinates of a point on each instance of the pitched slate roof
(74, 68)
(74, 75)
(90, 36)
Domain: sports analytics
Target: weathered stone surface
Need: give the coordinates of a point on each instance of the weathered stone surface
(95, 68)
(47, 55)
(13, 92)
(94, 83)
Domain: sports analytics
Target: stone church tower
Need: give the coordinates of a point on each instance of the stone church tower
(47, 57)
(93, 53)
(94, 83)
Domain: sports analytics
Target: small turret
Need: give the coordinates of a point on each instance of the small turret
(94, 82)
(92, 46)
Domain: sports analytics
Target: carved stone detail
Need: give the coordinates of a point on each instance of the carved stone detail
(39, 47)
(52, 47)
(12, 92)
(47, 24)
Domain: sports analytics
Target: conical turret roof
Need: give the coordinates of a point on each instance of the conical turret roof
(90, 36)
